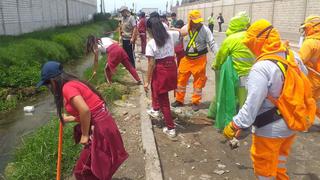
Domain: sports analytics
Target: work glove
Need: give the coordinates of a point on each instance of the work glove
(231, 131)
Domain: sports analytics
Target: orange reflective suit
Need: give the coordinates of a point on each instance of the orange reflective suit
(271, 144)
(310, 55)
(197, 68)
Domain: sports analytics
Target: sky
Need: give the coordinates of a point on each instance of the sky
(160, 4)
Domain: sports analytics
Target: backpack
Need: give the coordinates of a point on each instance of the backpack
(295, 103)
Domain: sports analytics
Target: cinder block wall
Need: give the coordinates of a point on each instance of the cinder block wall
(286, 15)
(22, 16)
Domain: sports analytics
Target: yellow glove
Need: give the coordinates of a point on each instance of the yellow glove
(231, 130)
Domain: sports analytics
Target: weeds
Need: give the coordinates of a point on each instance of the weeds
(36, 158)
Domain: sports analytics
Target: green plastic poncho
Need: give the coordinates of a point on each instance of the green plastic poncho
(227, 94)
(241, 59)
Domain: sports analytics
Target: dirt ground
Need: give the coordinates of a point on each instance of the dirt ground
(126, 113)
(200, 151)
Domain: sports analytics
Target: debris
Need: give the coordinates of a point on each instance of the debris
(205, 177)
(227, 171)
(28, 109)
(125, 113)
(193, 167)
(204, 161)
(127, 118)
(201, 121)
(245, 143)
(219, 172)
(205, 150)
(178, 111)
(221, 166)
(218, 160)
(238, 164)
(175, 155)
(234, 143)
(197, 143)
(188, 146)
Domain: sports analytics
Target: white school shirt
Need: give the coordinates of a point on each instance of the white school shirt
(104, 44)
(152, 50)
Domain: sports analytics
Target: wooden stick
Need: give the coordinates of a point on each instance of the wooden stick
(58, 177)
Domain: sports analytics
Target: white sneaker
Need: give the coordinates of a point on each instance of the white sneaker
(153, 113)
(171, 133)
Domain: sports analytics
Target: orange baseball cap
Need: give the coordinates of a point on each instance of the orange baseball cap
(195, 16)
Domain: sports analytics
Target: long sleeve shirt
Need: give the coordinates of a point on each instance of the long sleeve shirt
(264, 78)
(204, 39)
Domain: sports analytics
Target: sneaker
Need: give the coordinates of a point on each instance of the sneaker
(177, 104)
(169, 132)
(153, 113)
(195, 107)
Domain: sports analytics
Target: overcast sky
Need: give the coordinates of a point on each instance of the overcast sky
(160, 4)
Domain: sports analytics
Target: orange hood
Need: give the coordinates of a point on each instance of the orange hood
(311, 27)
(263, 39)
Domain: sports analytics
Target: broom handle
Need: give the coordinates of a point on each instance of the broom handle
(59, 151)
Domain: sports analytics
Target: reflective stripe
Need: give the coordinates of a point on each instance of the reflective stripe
(282, 158)
(282, 165)
(318, 103)
(244, 59)
(180, 90)
(282, 68)
(181, 87)
(197, 91)
(265, 178)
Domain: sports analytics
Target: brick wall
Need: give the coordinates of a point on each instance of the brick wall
(285, 15)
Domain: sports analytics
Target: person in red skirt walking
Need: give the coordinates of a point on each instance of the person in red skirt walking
(162, 68)
(115, 56)
(142, 29)
(103, 150)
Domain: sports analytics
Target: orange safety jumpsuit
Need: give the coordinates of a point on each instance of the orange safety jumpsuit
(271, 143)
(310, 55)
(194, 63)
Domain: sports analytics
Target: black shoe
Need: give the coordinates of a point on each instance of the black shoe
(195, 107)
(177, 104)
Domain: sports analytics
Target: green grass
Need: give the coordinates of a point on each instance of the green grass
(21, 56)
(36, 157)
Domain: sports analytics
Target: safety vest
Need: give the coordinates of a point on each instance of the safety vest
(192, 44)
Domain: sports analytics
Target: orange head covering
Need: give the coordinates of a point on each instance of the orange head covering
(263, 39)
(311, 27)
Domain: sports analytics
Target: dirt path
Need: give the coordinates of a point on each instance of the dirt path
(200, 151)
(126, 113)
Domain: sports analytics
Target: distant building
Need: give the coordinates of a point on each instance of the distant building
(149, 10)
(22, 16)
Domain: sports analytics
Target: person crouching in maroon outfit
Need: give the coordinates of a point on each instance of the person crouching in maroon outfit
(115, 56)
(103, 151)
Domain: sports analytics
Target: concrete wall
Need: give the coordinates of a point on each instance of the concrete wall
(22, 16)
(286, 15)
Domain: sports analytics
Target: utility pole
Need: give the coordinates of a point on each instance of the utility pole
(101, 6)
(67, 12)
